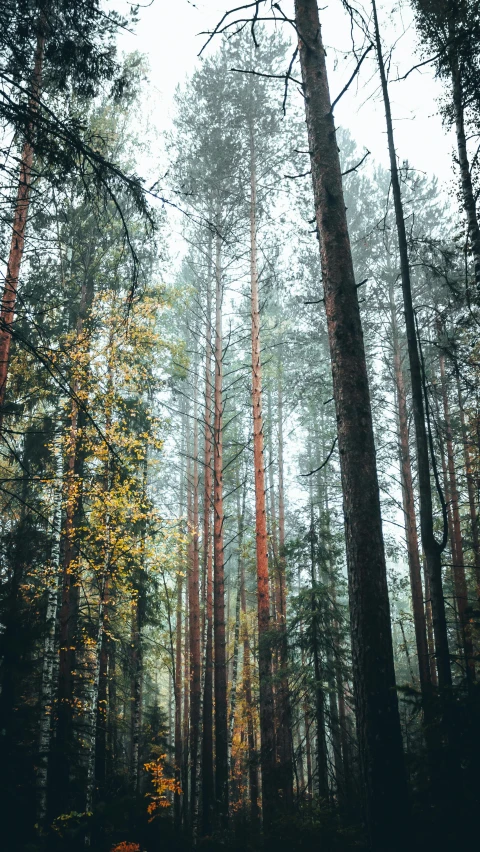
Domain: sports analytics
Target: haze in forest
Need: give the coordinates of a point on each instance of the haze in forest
(239, 425)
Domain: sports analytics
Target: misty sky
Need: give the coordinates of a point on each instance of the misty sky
(168, 34)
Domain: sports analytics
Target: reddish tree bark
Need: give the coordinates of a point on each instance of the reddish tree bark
(194, 614)
(220, 669)
(207, 738)
(17, 245)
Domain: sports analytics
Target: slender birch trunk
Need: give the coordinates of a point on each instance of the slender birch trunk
(220, 670)
(186, 714)
(49, 651)
(208, 791)
(93, 699)
(178, 752)
(267, 720)
(322, 754)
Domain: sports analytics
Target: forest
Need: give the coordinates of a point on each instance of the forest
(239, 432)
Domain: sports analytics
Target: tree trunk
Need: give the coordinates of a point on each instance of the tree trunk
(236, 639)
(194, 627)
(431, 547)
(93, 699)
(322, 754)
(17, 245)
(138, 618)
(207, 738)
(378, 719)
(177, 798)
(460, 581)
(186, 712)
(283, 704)
(101, 768)
(247, 691)
(409, 516)
(267, 721)
(178, 753)
(49, 651)
(220, 688)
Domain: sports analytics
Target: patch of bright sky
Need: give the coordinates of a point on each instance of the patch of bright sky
(168, 33)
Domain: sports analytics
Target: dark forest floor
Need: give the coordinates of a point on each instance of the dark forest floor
(123, 826)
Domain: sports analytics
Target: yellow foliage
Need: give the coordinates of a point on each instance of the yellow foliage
(162, 785)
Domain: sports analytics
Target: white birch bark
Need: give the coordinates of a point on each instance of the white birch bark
(53, 579)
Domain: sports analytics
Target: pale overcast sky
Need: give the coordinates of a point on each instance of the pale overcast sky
(168, 34)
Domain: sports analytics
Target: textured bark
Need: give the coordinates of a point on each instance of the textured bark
(93, 704)
(322, 754)
(284, 708)
(334, 721)
(136, 687)
(101, 769)
(409, 515)
(346, 779)
(236, 638)
(207, 732)
(186, 712)
(194, 627)
(178, 754)
(112, 743)
(49, 653)
(430, 637)
(431, 547)
(378, 720)
(17, 245)
(177, 799)
(267, 720)
(220, 669)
